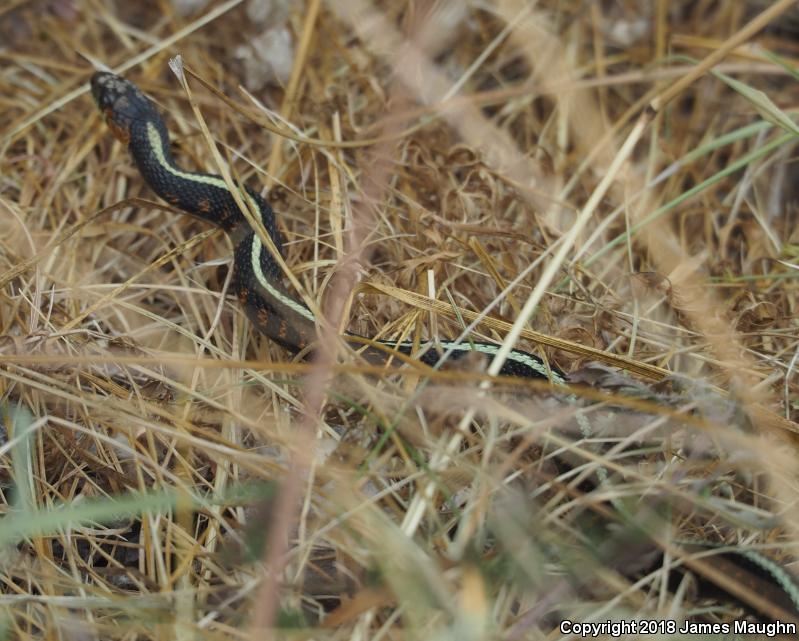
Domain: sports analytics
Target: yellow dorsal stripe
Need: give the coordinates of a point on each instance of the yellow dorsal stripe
(157, 145)
(255, 260)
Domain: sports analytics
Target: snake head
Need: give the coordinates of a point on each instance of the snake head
(121, 103)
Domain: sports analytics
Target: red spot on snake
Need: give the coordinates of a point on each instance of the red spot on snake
(120, 133)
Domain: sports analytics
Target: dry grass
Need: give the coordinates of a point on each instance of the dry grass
(169, 474)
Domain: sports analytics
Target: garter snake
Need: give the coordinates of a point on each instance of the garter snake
(136, 122)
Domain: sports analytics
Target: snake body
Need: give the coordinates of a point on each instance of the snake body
(136, 122)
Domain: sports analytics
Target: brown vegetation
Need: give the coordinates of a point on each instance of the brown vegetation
(169, 474)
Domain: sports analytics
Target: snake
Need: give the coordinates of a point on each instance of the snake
(136, 122)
